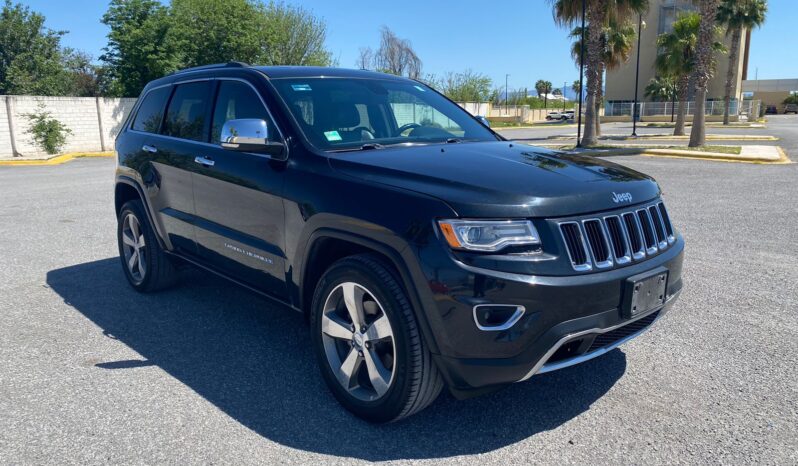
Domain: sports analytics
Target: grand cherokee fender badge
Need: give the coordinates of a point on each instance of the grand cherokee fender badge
(621, 197)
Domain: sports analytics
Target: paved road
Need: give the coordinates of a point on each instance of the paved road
(91, 372)
(784, 127)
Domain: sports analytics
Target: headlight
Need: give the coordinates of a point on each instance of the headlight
(488, 235)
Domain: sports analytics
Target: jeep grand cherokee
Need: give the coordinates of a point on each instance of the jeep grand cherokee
(425, 249)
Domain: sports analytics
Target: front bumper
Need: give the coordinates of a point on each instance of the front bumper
(568, 319)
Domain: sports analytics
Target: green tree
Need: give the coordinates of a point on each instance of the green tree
(703, 67)
(137, 50)
(30, 54)
(737, 16)
(617, 39)
(676, 59)
(148, 40)
(84, 77)
(599, 12)
(661, 89)
(543, 88)
(215, 31)
(576, 86)
(467, 86)
(292, 36)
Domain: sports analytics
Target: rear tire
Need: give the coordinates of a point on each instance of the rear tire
(145, 263)
(380, 370)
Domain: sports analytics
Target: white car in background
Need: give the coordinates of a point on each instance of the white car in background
(557, 115)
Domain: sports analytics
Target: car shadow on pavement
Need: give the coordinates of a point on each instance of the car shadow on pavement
(251, 359)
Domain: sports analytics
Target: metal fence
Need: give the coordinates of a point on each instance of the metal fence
(747, 108)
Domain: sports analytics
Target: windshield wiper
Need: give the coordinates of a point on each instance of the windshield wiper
(367, 146)
(453, 140)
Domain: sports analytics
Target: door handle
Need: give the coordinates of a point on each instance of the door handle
(150, 149)
(204, 161)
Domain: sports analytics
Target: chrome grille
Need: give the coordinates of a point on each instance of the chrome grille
(617, 239)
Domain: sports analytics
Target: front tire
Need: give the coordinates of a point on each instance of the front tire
(368, 344)
(146, 265)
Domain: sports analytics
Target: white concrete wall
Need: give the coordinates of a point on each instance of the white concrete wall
(92, 130)
(5, 135)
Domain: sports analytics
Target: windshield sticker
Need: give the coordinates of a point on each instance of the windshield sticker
(332, 135)
(300, 87)
(420, 88)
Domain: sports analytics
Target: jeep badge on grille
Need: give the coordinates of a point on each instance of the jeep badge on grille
(621, 197)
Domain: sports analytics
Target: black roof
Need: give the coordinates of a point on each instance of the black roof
(277, 72)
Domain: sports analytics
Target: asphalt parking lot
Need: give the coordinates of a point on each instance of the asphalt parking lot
(92, 372)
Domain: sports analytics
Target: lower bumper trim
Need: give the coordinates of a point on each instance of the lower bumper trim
(542, 366)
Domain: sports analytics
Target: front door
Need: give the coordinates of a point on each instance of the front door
(239, 227)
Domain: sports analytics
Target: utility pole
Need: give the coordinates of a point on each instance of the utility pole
(564, 83)
(581, 78)
(637, 73)
(506, 102)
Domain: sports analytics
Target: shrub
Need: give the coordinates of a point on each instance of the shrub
(48, 133)
(792, 99)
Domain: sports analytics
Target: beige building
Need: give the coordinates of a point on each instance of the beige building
(620, 83)
(771, 92)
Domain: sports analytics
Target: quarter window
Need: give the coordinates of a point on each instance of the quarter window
(150, 113)
(185, 117)
(236, 101)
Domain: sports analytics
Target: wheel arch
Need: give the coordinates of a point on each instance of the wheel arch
(128, 189)
(325, 246)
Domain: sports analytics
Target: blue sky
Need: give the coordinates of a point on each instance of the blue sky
(515, 37)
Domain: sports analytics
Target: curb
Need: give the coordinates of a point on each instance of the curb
(685, 154)
(504, 128)
(712, 137)
(56, 160)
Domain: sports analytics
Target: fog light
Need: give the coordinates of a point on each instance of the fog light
(497, 317)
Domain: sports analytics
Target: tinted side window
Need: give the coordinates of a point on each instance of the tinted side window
(235, 101)
(150, 113)
(185, 117)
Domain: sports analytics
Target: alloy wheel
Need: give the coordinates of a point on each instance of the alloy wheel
(358, 341)
(134, 247)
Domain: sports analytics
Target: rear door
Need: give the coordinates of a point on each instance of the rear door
(238, 197)
(183, 133)
(166, 173)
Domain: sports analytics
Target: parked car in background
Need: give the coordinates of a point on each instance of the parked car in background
(558, 115)
(771, 110)
(791, 108)
(425, 250)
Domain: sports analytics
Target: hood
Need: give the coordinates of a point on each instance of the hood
(502, 179)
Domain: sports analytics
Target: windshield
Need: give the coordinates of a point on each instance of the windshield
(351, 114)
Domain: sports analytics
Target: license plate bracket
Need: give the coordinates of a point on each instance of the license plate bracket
(645, 292)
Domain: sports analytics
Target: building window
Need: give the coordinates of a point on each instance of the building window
(669, 13)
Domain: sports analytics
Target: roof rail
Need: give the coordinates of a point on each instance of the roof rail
(232, 64)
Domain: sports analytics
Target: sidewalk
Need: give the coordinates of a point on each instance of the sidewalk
(748, 154)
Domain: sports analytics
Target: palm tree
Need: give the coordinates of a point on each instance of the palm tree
(617, 41)
(738, 15)
(662, 89)
(675, 60)
(703, 68)
(576, 87)
(543, 88)
(599, 12)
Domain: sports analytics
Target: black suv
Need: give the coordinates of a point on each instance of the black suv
(425, 249)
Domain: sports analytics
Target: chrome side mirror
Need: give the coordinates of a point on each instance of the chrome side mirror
(483, 120)
(249, 135)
